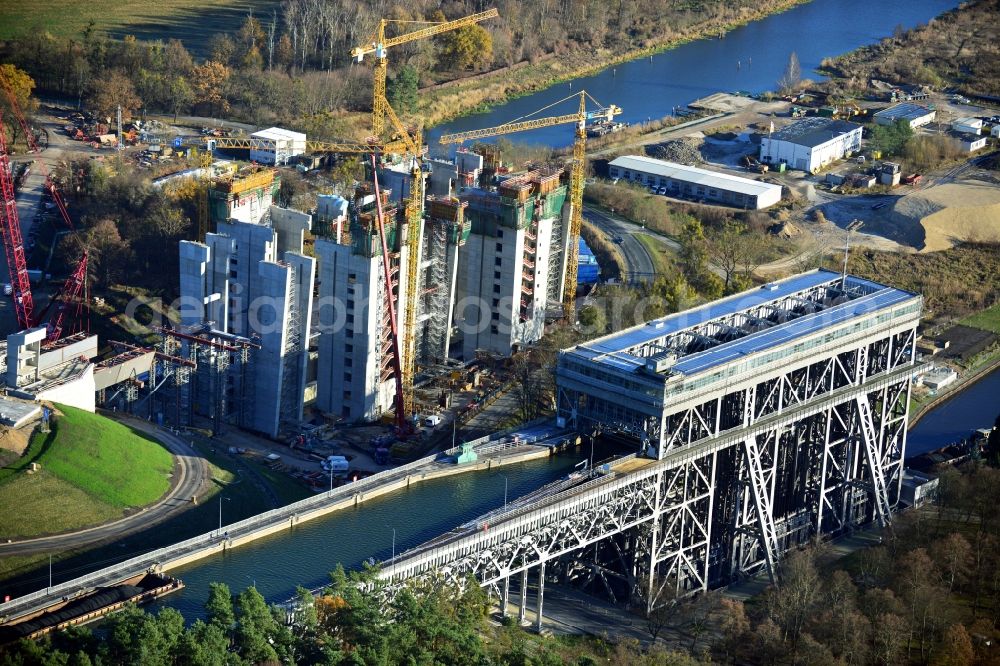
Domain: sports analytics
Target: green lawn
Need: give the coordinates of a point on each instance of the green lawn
(92, 470)
(56, 506)
(988, 320)
(657, 252)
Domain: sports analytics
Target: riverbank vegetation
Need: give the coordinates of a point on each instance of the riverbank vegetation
(291, 67)
(90, 470)
(432, 623)
(956, 49)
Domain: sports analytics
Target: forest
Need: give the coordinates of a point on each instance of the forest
(293, 67)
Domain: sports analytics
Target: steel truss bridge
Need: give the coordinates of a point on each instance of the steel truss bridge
(813, 448)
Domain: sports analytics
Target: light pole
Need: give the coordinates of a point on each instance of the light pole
(505, 492)
(393, 544)
(853, 226)
(220, 512)
(50, 572)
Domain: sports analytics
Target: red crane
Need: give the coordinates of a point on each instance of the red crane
(33, 147)
(13, 245)
(68, 294)
(402, 425)
(10, 230)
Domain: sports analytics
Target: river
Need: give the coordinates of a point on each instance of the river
(974, 407)
(750, 58)
(401, 520)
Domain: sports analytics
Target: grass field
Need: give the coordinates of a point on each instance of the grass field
(988, 319)
(92, 470)
(192, 21)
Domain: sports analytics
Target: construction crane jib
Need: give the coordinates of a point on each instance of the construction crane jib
(577, 174)
(378, 45)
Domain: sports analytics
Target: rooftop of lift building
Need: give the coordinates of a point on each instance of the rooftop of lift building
(730, 329)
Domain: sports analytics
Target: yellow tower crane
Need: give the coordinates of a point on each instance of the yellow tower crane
(577, 174)
(378, 44)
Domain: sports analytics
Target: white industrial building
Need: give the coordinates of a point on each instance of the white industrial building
(276, 145)
(693, 182)
(252, 280)
(811, 144)
(61, 371)
(969, 143)
(967, 125)
(915, 114)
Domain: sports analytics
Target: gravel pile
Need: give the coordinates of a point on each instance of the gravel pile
(682, 151)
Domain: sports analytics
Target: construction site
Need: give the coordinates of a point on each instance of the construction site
(378, 305)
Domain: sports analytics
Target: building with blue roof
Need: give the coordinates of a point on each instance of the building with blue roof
(646, 380)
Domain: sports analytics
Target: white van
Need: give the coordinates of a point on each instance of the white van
(432, 421)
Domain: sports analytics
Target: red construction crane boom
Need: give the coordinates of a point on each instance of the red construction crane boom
(70, 293)
(10, 229)
(33, 146)
(13, 245)
(402, 426)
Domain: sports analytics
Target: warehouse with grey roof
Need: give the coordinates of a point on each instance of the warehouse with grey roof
(690, 182)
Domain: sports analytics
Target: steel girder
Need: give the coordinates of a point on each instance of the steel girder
(820, 464)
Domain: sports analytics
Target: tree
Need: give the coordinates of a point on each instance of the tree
(733, 626)
(402, 90)
(256, 627)
(181, 94)
(222, 48)
(203, 645)
(209, 87)
(21, 85)
(725, 249)
(889, 634)
(111, 91)
(956, 648)
(219, 607)
(792, 75)
(284, 53)
(953, 557)
(890, 139)
(593, 320)
(470, 47)
(694, 260)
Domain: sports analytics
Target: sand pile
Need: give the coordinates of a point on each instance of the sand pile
(945, 215)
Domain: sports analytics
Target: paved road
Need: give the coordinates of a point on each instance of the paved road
(191, 472)
(637, 259)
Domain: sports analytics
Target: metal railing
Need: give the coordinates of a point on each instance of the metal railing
(26, 603)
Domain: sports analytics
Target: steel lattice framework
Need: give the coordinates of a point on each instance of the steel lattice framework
(809, 444)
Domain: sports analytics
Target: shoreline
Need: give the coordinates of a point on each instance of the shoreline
(457, 111)
(956, 389)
